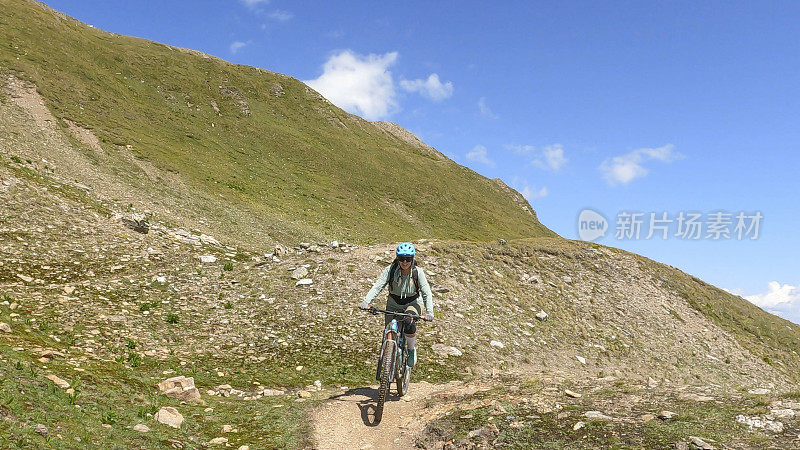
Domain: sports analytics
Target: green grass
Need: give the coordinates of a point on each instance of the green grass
(295, 164)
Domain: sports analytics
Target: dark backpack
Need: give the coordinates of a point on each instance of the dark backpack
(414, 274)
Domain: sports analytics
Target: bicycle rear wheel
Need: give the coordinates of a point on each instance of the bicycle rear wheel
(386, 377)
(403, 381)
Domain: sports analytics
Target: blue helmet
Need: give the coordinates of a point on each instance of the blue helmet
(406, 249)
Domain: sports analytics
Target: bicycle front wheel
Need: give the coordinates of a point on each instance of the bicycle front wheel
(386, 377)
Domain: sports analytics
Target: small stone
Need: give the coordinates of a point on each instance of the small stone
(541, 315)
(578, 426)
(445, 350)
(58, 381)
(596, 415)
(179, 387)
(141, 428)
(700, 443)
(207, 258)
(783, 413)
(572, 394)
(502, 241)
(581, 359)
(304, 394)
(646, 418)
(41, 429)
(169, 416)
(298, 368)
(218, 441)
(667, 415)
(305, 245)
(299, 273)
(4, 327)
(244, 447)
(304, 282)
(227, 428)
(334, 244)
(24, 278)
(497, 344)
(759, 391)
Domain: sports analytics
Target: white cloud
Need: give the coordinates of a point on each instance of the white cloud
(431, 88)
(280, 15)
(625, 168)
(481, 155)
(780, 299)
(359, 84)
(530, 193)
(485, 110)
(254, 3)
(236, 46)
(551, 157)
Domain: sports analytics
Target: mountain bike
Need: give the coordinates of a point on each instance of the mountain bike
(392, 360)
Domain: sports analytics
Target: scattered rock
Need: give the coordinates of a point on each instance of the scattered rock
(597, 415)
(180, 387)
(756, 422)
(41, 429)
(58, 381)
(24, 278)
(497, 344)
(667, 415)
(541, 315)
(700, 443)
(578, 426)
(581, 359)
(136, 222)
(445, 350)
(334, 244)
(572, 394)
(305, 245)
(304, 394)
(4, 327)
(759, 391)
(304, 282)
(206, 239)
(695, 397)
(502, 241)
(169, 416)
(141, 428)
(218, 441)
(227, 429)
(782, 413)
(299, 273)
(207, 258)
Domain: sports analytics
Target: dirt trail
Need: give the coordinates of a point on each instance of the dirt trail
(346, 421)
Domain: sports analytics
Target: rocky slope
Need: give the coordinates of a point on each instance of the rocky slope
(113, 312)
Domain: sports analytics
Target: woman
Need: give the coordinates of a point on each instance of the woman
(406, 284)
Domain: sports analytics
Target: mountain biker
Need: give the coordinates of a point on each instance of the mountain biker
(407, 283)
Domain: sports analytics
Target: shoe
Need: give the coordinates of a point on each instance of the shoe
(412, 358)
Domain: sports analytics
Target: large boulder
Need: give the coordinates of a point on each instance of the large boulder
(169, 416)
(136, 222)
(181, 388)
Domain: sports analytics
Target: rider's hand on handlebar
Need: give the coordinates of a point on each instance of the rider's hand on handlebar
(429, 317)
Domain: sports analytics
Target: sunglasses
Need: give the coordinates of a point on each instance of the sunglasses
(405, 258)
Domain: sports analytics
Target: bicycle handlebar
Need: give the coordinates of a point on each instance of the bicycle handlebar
(374, 310)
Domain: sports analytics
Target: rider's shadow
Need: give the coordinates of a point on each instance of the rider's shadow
(367, 406)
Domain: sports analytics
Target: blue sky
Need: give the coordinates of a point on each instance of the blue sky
(613, 106)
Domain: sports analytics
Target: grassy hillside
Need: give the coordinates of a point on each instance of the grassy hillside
(272, 158)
